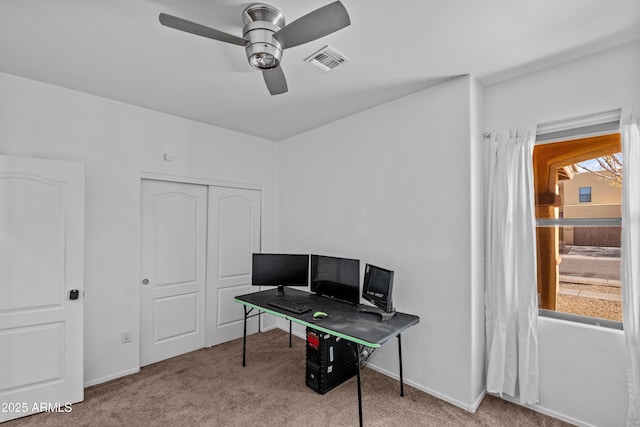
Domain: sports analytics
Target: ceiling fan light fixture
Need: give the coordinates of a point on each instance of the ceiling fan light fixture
(261, 21)
(263, 51)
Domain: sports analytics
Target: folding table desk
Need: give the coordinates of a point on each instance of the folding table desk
(361, 329)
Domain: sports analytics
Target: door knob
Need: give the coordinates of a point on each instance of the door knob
(145, 281)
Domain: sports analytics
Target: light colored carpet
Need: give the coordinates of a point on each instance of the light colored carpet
(209, 387)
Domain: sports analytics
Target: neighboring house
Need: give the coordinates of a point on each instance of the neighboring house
(587, 195)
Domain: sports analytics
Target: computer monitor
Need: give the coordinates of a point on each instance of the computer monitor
(335, 277)
(280, 270)
(377, 287)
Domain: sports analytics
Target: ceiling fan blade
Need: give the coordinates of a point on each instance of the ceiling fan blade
(312, 26)
(199, 30)
(275, 80)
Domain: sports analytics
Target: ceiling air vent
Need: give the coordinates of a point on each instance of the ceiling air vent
(327, 58)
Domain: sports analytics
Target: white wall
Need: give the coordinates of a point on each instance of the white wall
(117, 142)
(582, 373)
(392, 186)
(597, 83)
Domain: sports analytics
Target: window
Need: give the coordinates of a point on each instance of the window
(578, 243)
(585, 194)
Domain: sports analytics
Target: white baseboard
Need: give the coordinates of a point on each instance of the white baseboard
(545, 411)
(111, 377)
(470, 408)
(478, 401)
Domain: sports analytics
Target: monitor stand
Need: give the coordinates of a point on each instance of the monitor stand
(384, 315)
(280, 291)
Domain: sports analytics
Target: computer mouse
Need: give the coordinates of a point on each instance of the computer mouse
(320, 315)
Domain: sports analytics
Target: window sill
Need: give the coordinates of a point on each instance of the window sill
(594, 321)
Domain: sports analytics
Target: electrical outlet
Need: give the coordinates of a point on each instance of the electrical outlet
(126, 336)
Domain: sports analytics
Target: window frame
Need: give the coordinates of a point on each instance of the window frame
(579, 318)
(567, 222)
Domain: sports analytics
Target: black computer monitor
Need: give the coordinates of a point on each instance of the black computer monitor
(335, 277)
(377, 287)
(280, 270)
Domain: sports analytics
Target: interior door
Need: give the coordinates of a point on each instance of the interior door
(41, 285)
(173, 268)
(234, 234)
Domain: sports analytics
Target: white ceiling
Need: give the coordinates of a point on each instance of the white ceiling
(117, 49)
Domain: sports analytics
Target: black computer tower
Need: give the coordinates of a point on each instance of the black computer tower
(330, 361)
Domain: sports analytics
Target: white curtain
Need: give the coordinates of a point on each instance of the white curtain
(631, 259)
(511, 298)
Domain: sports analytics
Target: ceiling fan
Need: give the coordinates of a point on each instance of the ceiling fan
(265, 35)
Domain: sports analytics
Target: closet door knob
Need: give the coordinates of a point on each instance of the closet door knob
(145, 281)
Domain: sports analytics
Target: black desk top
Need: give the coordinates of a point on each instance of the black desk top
(345, 320)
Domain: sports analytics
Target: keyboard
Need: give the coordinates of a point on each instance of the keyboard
(294, 307)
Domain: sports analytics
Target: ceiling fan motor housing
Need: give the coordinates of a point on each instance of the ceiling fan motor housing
(261, 21)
